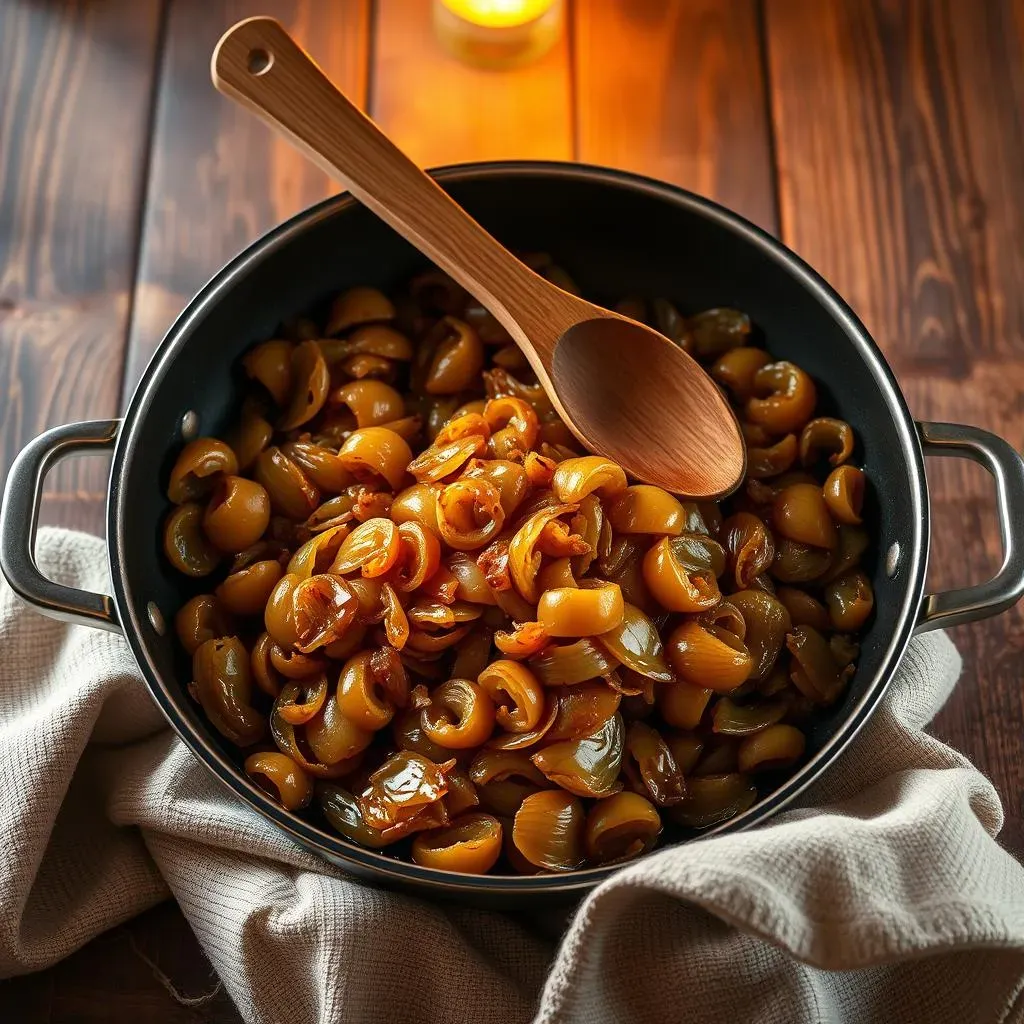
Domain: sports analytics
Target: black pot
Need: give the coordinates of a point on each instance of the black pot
(618, 234)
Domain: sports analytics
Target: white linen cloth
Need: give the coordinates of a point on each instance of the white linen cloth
(883, 897)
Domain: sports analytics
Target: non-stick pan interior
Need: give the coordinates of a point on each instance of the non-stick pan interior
(616, 236)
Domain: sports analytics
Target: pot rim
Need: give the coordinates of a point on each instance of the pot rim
(168, 694)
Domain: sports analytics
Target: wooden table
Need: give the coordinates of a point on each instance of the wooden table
(883, 141)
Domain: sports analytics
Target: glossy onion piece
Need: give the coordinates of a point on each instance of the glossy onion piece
(396, 622)
(556, 574)
(799, 563)
(736, 369)
(712, 799)
(844, 494)
(310, 382)
(636, 644)
(461, 426)
(548, 830)
(372, 547)
(715, 331)
(644, 508)
(523, 557)
(577, 611)
(726, 616)
(373, 452)
(501, 765)
(460, 715)
(372, 402)
(250, 436)
(197, 468)
(360, 697)
(575, 478)
(771, 460)
(568, 664)
(815, 671)
(673, 575)
(469, 514)
(322, 466)
(588, 523)
(281, 777)
(657, 764)
(407, 733)
(376, 340)
(588, 766)
(200, 619)
(826, 436)
(583, 711)
(461, 795)
(468, 580)
(517, 694)
(853, 542)
(706, 655)
(509, 478)
(521, 740)
(778, 746)
(686, 748)
(620, 827)
(732, 719)
(457, 361)
(416, 504)
(323, 607)
(185, 544)
(850, 600)
(291, 492)
(801, 514)
(419, 556)
(222, 678)
(437, 462)
(804, 609)
(682, 704)
(404, 782)
(471, 844)
(788, 401)
(304, 702)
(341, 809)
(319, 552)
(513, 425)
(358, 305)
(271, 364)
(237, 514)
(767, 623)
(749, 547)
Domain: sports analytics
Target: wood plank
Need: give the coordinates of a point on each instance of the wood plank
(75, 92)
(220, 178)
(675, 89)
(900, 154)
(125, 976)
(441, 111)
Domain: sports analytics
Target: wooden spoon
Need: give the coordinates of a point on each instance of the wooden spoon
(623, 389)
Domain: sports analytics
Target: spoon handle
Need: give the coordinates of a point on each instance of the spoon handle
(257, 63)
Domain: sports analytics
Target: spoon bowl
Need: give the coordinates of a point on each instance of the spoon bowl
(605, 370)
(625, 391)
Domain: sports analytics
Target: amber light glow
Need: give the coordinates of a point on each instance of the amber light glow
(498, 33)
(499, 13)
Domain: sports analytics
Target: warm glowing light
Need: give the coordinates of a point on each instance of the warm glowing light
(498, 33)
(498, 13)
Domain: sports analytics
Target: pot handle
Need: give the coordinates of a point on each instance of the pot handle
(19, 519)
(1003, 590)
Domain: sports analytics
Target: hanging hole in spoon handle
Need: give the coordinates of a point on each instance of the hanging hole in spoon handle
(258, 64)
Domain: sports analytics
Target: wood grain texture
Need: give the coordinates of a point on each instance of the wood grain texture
(75, 90)
(440, 111)
(116, 979)
(219, 177)
(675, 89)
(901, 165)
